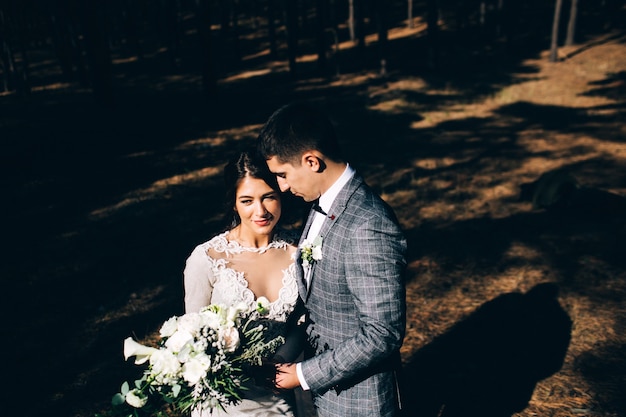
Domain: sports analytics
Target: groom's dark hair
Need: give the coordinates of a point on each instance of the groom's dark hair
(296, 128)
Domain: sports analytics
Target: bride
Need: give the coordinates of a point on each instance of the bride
(252, 262)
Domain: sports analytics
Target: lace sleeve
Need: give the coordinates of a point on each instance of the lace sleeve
(198, 280)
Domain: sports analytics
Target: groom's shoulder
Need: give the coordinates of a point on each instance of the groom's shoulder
(367, 201)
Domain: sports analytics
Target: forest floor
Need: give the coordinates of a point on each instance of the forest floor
(513, 309)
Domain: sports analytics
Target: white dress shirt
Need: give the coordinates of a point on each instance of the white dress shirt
(326, 201)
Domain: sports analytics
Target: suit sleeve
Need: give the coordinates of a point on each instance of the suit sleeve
(374, 268)
(198, 281)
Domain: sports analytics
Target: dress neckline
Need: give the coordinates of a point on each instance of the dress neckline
(236, 247)
(232, 281)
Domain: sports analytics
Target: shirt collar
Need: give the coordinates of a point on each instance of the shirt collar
(326, 200)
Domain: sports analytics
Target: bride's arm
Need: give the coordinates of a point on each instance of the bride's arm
(198, 280)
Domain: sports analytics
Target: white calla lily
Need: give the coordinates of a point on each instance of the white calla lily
(142, 353)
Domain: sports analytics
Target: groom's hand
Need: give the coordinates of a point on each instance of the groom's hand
(286, 376)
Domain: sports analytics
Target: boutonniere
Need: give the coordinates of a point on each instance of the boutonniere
(311, 251)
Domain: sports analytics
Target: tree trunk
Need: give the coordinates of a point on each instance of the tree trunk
(612, 13)
(225, 13)
(483, 13)
(359, 20)
(172, 33)
(571, 25)
(555, 31)
(209, 77)
(98, 52)
(432, 21)
(381, 25)
(24, 81)
(351, 21)
(6, 56)
(292, 36)
(499, 18)
(60, 28)
(235, 51)
(356, 22)
(321, 9)
(271, 28)
(334, 36)
(131, 27)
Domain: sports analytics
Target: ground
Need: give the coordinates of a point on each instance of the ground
(513, 308)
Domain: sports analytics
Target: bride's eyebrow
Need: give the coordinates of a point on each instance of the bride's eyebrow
(271, 193)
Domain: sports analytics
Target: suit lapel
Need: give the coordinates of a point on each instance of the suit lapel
(336, 209)
(340, 203)
(307, 226)
(302, 287)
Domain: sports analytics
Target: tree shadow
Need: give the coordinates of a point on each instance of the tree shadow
(489, 363)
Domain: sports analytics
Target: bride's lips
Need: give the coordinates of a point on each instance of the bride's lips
(264, 222)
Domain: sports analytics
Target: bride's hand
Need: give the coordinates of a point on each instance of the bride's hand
(286, 376)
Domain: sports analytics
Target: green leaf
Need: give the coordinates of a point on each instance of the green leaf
(125, 388)
(118, 399)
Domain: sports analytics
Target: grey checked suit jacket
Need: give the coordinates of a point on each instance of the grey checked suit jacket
(357, 307)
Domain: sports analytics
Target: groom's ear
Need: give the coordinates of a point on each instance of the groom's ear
(313, 161)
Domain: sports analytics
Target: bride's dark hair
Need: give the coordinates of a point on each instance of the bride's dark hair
(246, 164)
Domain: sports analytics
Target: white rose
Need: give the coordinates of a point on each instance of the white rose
(190, 322)
(142, 353)
(211, 319)
(178, 340)
(196, 368)
(136, 398)
(169, 327)
(316, 252)
(234, 311)
(164, 363)
(230, 338)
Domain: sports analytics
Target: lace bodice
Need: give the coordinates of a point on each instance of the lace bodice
(211, 279)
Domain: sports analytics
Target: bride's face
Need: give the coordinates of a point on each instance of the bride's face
(258, 206)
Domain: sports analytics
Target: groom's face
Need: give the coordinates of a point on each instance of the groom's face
(299, 179)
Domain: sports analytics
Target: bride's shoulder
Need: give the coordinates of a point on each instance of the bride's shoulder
(216, 242)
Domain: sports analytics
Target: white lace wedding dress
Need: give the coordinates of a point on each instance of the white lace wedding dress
(210, 277)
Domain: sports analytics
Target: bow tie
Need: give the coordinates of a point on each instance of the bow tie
(317, 208)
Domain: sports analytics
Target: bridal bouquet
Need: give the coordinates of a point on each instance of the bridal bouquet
(199, 360)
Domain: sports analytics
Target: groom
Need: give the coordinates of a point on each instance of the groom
(352, 253)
